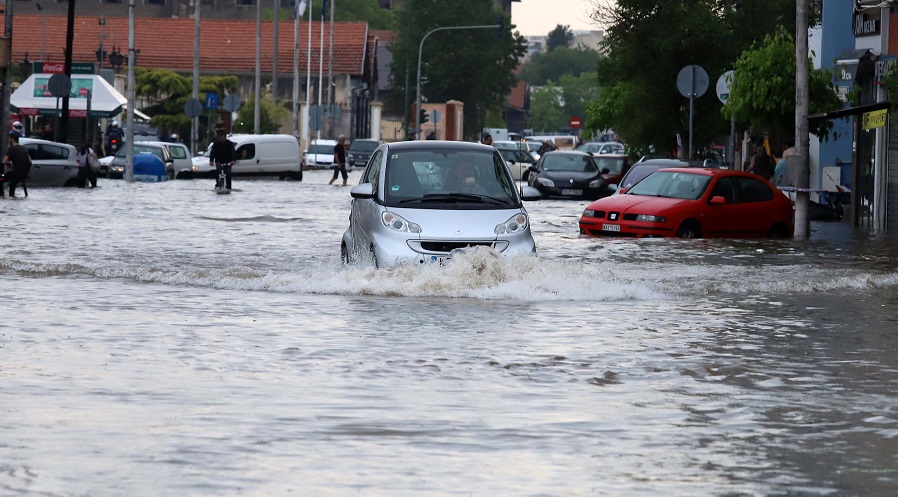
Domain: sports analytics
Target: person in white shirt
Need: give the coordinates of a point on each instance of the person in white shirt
(86, 161)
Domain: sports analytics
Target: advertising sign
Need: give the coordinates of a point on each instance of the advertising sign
(80, 87)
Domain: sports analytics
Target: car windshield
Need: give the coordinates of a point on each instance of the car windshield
(672, 184)
(321, 149)
(636, 174)
(613, 164)
(569, 163)
(362, 146)
(437, 178)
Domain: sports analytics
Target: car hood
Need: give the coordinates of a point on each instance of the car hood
(646, 205)
(457, 224)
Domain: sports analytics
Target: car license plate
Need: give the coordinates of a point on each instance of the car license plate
(571, 192)
(610, 227)
(440, 260)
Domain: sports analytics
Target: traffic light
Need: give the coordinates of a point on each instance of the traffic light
(423, 117)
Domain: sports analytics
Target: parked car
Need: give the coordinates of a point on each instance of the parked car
(518, 161)
(360, 151)
(116, 168)
(180, 156)
(692, 203)
(645, 167)
(52, 163)
(320, 154)
(507, 145)
(412, 205)
(598, 148)
(257, 155)
(572, 174)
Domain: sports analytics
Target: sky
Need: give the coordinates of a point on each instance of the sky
(538, 17)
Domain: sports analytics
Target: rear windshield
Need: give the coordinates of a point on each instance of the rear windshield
(570, 163)
(456, 179)
(321, 149)
(614, 164)
(364, 146)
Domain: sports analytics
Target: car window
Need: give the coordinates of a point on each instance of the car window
(177, 152)
(363, 145)
(321, 149)
(725, 188)
(671, 185)
(614, 164)
(414, 174)
(246, 151)
(145, 149)
(42, 151)
(636, 174)
(372, 173)
(753, 190)
(569, 163)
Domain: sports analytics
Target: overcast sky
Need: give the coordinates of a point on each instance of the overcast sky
(538, 17)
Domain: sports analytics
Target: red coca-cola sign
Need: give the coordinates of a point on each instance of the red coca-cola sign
(53, 68)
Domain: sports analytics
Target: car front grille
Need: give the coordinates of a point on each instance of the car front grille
(449, 246)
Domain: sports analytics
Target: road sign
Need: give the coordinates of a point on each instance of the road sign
(211, 100)
(59, 85)
(692, 81)
(193, 108)
(316, 116)
(724, 82)
(575, 122)
(435, 116)
(231, 103)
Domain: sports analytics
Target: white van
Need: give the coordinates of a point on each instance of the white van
(259, 155)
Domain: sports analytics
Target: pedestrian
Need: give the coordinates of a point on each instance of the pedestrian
(18, 157)
(547, 146)
(222, 155)
(87, 166)
(487, 139)
(761, 163)
(46, 132)
(339, 161)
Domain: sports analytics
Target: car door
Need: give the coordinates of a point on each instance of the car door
(37, 174)
(247, 159)
(365, 212)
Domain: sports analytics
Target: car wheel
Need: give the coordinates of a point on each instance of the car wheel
(778, 230)
(689, 229)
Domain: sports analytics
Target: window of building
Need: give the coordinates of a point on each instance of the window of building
(155, 2)
(245, 2)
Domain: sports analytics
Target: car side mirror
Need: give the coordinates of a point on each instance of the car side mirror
(532, 168)
(363, 191)
(718, 200)
(530, 193)
(611, 188)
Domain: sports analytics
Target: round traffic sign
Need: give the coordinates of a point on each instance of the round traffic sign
(575, 122)
(692, 81)
(193, 108)
(724, 82)
(59, 85)
(231, 102)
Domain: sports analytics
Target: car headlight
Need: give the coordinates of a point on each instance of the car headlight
(646, 218)
(516, 224)
(398, 223)
(589, 213)
(596, 183)
(545, 182)
(349, 156)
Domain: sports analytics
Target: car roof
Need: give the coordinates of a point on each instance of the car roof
(570, 152)
(24, 140)
(706, 171)
(440, 145)
(240, 138)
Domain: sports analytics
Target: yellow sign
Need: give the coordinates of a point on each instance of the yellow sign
(875, 119)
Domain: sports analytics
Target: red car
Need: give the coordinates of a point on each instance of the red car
(692, 203)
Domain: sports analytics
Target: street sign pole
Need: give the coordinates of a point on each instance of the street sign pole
(691, 109)
(692, 82)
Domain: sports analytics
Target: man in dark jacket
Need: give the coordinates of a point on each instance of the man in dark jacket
(222, 156)
(18, 157)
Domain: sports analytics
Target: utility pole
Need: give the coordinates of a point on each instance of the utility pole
(274, 53)
(802, 138)
(195, 123)
(7, 77)
(330, 75)
(129, 133)
(69, 42)
(257, 116)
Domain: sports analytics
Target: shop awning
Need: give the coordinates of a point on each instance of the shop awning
(33, 97)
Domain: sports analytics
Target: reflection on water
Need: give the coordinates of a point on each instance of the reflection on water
(163, 340)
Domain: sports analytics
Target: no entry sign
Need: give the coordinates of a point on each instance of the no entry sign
(575, 122)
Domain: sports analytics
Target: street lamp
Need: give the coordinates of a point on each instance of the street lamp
(116, 59)
(101, 54)
(26, 66)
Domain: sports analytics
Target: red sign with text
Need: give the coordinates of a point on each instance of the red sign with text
(575, 122)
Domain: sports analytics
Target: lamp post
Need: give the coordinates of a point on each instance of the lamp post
(43, 27)
(116, 59)
(26, 66)
(101, 54)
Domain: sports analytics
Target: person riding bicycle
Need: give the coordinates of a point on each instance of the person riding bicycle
(222, 156)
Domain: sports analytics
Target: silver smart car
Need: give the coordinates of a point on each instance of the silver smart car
(419, 201)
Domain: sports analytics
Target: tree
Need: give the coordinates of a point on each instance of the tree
(166, 93)
(561, 36)
(474, 66)
(546, 108)
(762, 93)
(577, 92)
(649, 42)
(345, 10)
(270, 114)
(563, 60)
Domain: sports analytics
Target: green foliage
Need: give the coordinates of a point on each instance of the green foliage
(166, 93)
(649, 42)
(349, 10)
(762, 94)
(563, 60)
(577, 92)
(270, 114)
(890, 84)
(561, 36)
(474, 66)
(494, 118)
(546, 108)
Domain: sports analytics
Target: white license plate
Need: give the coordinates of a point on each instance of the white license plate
(436, 259)
(610, 227)
(571, 192)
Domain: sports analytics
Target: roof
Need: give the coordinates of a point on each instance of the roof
(226, 46)
(440, 145)
(33, 97)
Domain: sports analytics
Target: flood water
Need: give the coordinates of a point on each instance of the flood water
(158, 339)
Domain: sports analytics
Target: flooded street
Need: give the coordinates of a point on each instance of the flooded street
(159, 339)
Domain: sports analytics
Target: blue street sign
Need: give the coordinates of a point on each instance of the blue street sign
(212, 100)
